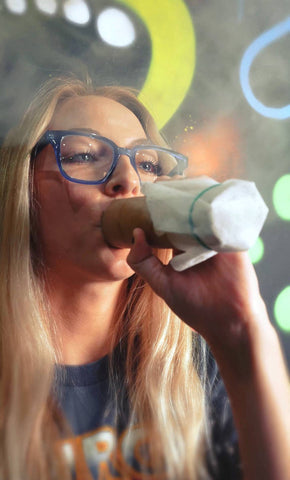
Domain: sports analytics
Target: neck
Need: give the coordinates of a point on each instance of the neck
(85, 313)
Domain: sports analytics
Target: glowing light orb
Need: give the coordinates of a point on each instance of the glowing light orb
(76, 11)
(17, 7)
(46, 6)
(281, 197)
(115, 28)
(282, 310)
(257, 251)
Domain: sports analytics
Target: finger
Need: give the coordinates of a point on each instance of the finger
(143, 262)
(140, 250)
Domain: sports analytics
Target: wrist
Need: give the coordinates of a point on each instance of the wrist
(246, 344)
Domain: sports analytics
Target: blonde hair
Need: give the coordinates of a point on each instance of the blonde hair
(165, 391)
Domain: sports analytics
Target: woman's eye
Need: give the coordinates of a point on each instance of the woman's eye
(148, 164)
(149, 167)
(79, 158)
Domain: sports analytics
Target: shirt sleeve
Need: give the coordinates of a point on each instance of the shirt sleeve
(223, 455)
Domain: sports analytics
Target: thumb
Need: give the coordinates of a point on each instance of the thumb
(143, 262)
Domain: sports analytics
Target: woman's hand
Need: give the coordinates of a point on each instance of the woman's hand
(219, 298)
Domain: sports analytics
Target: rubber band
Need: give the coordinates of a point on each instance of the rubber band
(190, 220)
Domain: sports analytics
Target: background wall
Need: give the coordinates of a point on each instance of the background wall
(215, 74)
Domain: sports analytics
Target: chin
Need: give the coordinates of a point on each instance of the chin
(114, 266)
(121, 271)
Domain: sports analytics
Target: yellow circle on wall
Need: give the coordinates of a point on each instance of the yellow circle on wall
(173, 55)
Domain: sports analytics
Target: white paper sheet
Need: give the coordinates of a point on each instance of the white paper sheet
(202, 217)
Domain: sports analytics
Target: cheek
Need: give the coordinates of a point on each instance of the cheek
(66, 211)
(68, 229)
(51, 200)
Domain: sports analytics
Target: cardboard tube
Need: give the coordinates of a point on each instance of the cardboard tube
(120, 219)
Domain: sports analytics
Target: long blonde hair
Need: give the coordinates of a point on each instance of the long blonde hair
(165, 391)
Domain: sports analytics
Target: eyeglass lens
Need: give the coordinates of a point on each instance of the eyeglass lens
(90, 159)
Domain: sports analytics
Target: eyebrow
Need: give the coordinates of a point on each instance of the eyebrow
(84, 129)
(139, 141)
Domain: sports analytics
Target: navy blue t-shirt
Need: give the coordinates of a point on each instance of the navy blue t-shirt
(102, 444)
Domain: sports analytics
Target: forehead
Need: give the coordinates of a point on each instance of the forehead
(97, 113)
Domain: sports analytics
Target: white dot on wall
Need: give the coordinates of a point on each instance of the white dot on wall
(77, 11)
(115, 27)
(16, 6)
(46, 6)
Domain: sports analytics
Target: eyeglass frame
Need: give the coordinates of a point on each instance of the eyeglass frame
(54, 137)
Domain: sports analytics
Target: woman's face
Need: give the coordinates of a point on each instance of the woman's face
(69, 214)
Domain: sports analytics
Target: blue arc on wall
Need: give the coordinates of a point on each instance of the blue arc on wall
(268, 37)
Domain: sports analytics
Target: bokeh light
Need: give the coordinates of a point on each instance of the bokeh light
(46, 6)
(212, 150)
(281, 197)
(16, 6)
(76, 11)
(115, 27)
(257, 251)
(282, 310)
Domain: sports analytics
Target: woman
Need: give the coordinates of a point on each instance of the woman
(69, 299)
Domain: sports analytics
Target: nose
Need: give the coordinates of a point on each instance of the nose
(124, 181)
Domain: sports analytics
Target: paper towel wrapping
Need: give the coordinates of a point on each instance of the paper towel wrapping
(202, 217)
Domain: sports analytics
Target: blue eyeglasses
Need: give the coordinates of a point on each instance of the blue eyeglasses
(87, 158)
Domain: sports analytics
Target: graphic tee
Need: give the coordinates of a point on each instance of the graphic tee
(102, 444)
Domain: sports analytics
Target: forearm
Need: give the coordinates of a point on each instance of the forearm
(220, 299)
(255, 377)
